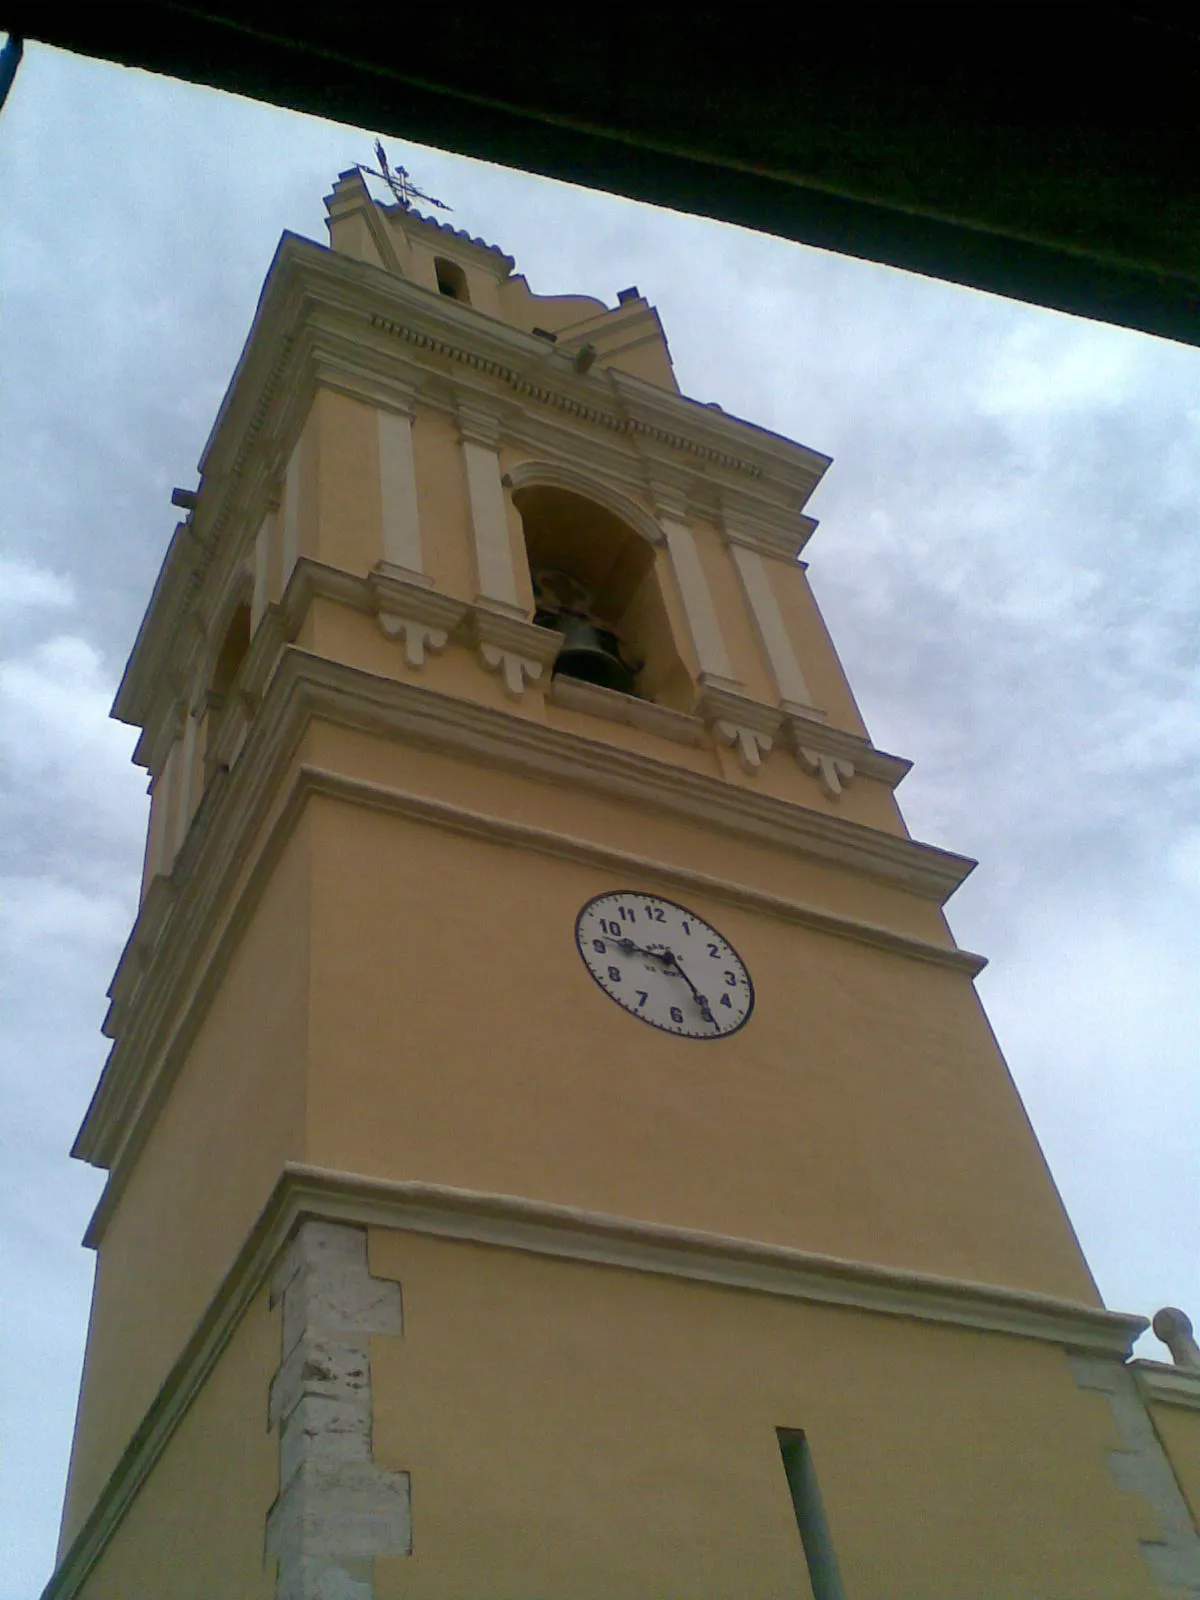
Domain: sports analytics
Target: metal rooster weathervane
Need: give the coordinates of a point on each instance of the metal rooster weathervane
(404, 190)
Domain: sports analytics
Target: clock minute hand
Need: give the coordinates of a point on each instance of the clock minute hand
(700, 999)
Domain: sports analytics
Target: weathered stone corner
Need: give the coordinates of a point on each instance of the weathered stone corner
(336, 1511)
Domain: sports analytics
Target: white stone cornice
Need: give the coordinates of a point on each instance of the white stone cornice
(563, 1233)
(520, 651)
(815, 741)
(750, 522)
(591, 699)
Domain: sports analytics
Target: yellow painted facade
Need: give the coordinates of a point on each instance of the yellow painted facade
(441, 1272)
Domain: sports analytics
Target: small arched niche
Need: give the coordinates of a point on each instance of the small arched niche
(451, 280)
(612, 577)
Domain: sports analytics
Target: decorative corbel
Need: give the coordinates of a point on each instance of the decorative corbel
(408, 608)
(519, 651)
(834, 772)
(746, 726)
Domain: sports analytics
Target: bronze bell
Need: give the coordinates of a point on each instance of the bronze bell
(590, 651)
(592, 654)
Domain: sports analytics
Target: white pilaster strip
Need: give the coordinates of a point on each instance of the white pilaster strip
(291, 516)
(183, 790)
(160, 817)
(494, 575)
(768, 620)
(262, 574)
(705, 628)
(398, 492)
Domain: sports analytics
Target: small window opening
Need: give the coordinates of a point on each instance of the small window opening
(819, 1556)
(452, 280)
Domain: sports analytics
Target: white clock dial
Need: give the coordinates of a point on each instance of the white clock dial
(664, 964)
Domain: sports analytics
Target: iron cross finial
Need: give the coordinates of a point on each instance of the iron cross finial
(404, 190)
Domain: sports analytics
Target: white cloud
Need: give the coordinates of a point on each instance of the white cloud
(25, 586)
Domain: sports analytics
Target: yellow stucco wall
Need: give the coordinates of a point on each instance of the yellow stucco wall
(586, 1432)
(456, 1037)
(195, 1530)
(1178, 1428)
(234, 1115)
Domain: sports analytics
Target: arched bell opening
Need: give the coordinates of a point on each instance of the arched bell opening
(599, 583)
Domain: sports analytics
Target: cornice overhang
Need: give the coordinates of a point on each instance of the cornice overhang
(326, 318)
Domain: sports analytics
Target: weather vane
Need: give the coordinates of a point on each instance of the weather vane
(404, 190)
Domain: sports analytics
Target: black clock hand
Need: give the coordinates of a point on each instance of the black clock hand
(640, 950)
(700, 999)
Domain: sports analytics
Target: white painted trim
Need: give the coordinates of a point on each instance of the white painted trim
(768, 620)
(160, 818)
(705, 628)
(571, 1234)
(574, 695)
(261, 597)
(495, 578)
(187, 782)
(589, 486)
(398, 491)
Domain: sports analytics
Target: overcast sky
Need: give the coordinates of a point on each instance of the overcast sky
(1007, 557)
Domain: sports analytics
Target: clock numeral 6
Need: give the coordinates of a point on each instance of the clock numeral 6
(676, 1014)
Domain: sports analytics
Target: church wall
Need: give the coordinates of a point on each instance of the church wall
(863, 1112)
(584, 1432)
(195, 1529)
(234, 1114)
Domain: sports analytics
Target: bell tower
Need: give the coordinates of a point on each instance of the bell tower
(554, 1145)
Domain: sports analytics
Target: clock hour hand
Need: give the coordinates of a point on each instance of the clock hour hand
(640, 950)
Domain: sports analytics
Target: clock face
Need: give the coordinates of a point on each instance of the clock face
(664, 964)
